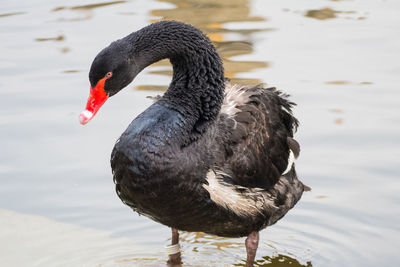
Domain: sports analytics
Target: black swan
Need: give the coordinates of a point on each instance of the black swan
(206, 156)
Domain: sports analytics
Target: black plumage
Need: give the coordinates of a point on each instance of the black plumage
(207, 156)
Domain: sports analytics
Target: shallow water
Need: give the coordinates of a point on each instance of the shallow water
(338, 59)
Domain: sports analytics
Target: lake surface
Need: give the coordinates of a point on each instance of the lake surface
(340, 61)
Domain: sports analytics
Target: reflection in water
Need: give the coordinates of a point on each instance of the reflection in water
(11, 14)
(278, 261)
(208, 14)
(336, 110)
(65, 50)
(338, 82)
(58, 38)
(195, 241)
(194, 238)
(322, 14)
(89, 7)
(141, 260)
(211, 17)
(329, 13)
(71, 71)
(342, 82)
(86, 10)
(281, 261)
(339, 121)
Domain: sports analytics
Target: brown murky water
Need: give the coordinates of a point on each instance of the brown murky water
(338, 59)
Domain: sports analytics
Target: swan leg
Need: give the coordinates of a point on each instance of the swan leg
(175, 256)
(251, 247)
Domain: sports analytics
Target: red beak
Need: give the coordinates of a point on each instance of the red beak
(96, 99)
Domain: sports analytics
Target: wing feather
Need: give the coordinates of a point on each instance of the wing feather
(260, 136)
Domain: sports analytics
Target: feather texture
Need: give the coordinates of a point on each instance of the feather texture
(206, 156)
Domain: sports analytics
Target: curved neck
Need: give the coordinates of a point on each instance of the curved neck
(197, 86)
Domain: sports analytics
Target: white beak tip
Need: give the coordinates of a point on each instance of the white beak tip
(85, 117)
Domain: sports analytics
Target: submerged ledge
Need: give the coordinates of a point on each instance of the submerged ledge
(31, 240)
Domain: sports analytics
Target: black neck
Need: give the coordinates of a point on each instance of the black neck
(197, 86)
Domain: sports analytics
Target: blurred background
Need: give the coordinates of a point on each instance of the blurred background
(338, 59)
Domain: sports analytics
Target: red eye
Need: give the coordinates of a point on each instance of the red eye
(108, 75)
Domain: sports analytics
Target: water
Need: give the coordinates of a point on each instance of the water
(338, 59)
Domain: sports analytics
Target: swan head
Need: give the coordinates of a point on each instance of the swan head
(111, 71)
